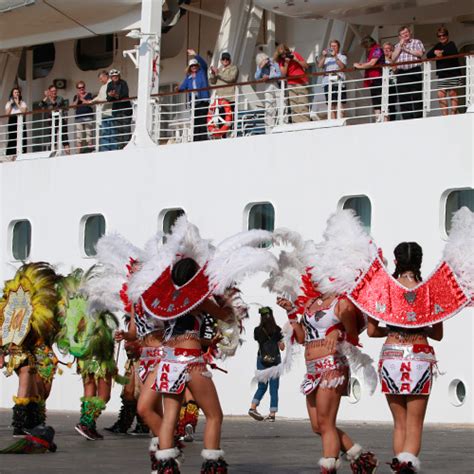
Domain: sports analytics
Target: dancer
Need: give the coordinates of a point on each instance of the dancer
(413, 312)
(29, 322)
(329, 329)
(118, 260)
(131, 391)
(87, 334)
(176, 285)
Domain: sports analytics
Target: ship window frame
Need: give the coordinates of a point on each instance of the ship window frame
(88, 64)
(443, 218)
(248, 213)
(342, 203)
(163, 214)
(11, 231)
(41, 69)
(83, 226)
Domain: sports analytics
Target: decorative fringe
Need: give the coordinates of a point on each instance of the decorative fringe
(459, 250)
(333, 383)
(360, 362)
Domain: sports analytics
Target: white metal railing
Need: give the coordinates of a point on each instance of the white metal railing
(254, 109)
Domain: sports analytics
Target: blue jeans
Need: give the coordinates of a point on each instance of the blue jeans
(262, 388)
(107, 142)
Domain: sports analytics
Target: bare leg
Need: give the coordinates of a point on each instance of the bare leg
(104, 387)
(344, 439)
(327, 402)
(90, 387)
(398, 407)
(443, 103)
(150, 406)
(205, 394)
(416, 410)
(171, 407)
(453, 94)
(26, 383)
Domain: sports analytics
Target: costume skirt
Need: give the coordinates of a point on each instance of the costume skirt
(175, 367)
(328, 372)
(149, 358)
(406, 369)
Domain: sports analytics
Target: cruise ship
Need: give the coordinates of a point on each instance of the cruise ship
(255, 163)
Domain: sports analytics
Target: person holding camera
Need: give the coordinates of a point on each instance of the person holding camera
(333, 60)
(293, 67)
(15, 106)
(270, 342)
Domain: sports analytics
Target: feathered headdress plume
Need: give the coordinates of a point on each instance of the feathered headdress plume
(459, 250)
(346, 252)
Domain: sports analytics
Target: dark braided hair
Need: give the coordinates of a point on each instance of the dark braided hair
(183, 270)
(408, 256)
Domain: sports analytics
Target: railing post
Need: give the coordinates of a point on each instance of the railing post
(329, 98)
(98, 123)
(157, 120)
(469, 81)
(236, 111)
(426, 88)
(281, 103)
(339, 99)
(19, 134)
(54, 130)
(193, 111)
(385, 92)
(60, 132)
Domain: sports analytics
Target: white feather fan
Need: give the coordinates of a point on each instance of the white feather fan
(459, 250)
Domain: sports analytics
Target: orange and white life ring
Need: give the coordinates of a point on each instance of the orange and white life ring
(219, 125)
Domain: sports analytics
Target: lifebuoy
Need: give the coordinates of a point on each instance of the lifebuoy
(217, 125)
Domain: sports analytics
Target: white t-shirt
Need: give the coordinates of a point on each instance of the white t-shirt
(14, 108)
(330, 64)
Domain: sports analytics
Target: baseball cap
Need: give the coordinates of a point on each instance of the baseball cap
(193, 62)
(114, 72)
(225, 55)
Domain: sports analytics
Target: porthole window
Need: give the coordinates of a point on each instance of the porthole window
(456, 199)
(362, 206)
(94, 229)
(261, 216)
(168, 218)
(21, 240)
(43, 61)
(95, 53)
(355, 390)
(457, 392)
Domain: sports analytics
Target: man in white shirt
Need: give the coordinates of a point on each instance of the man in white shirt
(104, 117)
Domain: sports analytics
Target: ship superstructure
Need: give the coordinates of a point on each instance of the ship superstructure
(404, 178)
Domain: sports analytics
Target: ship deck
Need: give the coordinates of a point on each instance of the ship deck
(251, 447)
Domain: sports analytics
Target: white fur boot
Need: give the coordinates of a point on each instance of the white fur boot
(213, 460)
(154, 444)
(329, 465)
(406, 458)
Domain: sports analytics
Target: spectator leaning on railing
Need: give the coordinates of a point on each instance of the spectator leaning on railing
(15, 106)
(105, 114)
(447, 71)
(331, 61)
(84, 118)
(196, 78)
(50, 128)
(293, 65)
(409, 77)
(372, 74)
(226, 74)
(117, 93)
(267, 69)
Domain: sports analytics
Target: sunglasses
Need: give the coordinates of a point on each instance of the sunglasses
(81, 87)
(442, 36)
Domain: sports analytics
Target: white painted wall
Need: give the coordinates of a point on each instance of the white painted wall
(404, 168)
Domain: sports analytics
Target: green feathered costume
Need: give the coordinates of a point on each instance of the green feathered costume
(89, 337)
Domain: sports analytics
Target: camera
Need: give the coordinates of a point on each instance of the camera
(290, 55)
(330, 51)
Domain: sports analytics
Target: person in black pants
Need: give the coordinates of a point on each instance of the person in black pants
(196, 78)
(13, 108)
(409, 77)
(270, 341)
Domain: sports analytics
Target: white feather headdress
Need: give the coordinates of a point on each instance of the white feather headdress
(227, 264)
(346, 252)
(114, 256)
(286, 279)
(459, 250)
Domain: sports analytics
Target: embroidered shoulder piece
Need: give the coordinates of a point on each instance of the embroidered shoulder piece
(383, 298)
